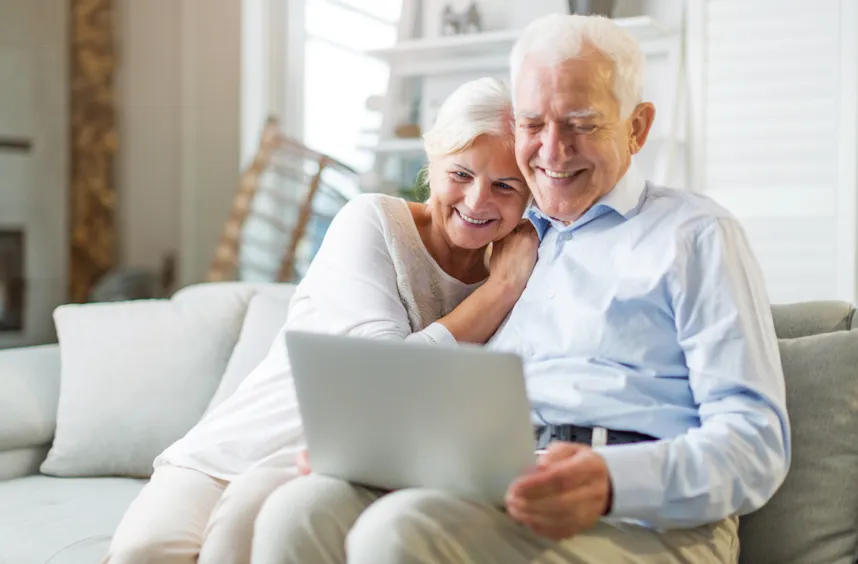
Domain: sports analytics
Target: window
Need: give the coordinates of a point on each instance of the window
(338, 77)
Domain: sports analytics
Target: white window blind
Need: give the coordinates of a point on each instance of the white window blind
(771, 126)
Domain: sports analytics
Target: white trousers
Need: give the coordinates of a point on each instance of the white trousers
(184, 516)
(321, 520)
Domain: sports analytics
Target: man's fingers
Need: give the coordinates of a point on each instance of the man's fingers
(554, 477)
(541, 483)
(558, 507)
(558, 451)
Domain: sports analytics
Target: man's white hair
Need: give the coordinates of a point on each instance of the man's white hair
(478, 107)
(556, 38)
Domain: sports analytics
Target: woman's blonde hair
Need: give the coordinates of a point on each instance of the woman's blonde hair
(478, 107)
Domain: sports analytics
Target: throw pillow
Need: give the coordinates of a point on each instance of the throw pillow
(135, 377)
(266, 315)
(814, 515)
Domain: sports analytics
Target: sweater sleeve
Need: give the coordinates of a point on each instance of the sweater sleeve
(351, 288)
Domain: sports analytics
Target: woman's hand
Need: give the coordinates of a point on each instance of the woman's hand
(303, 463)
(512, 260)
(514, 257)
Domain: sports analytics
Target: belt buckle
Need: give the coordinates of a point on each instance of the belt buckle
(599, 437)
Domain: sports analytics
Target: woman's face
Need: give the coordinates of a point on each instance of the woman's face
(478, 195)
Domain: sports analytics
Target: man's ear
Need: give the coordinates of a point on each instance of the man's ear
(641, 120)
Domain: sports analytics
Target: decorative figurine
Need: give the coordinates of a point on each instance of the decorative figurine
(473, 20)
(449, 21)
(469, 21)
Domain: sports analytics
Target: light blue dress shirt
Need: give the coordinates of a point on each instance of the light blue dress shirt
(649, 313)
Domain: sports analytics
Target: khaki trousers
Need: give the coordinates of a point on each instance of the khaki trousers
(184, 516)
(321, 520)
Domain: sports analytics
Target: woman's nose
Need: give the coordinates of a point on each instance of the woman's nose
(477, 194)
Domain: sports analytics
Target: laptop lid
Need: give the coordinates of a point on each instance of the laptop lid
(393, 415)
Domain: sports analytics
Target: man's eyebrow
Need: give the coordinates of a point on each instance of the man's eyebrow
(517, 179)
(578, 114)
(583, 114)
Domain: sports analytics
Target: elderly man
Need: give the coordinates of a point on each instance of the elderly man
(651, 358)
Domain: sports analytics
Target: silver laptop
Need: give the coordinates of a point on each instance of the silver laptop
(394, 415)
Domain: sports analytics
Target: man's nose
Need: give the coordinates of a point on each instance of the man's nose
(556, 147)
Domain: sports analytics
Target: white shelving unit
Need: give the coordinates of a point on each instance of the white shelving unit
(399, 146)
(489, 50)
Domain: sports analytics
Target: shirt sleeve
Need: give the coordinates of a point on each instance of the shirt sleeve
(351, 286)
(738, 457)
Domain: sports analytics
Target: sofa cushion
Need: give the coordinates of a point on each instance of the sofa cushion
(814, 515)
(61, 520)
(29, 392)
(136, 376)
(811, 318)
(266, 315)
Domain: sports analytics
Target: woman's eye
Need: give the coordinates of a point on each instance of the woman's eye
(462, 175)
(504, 186)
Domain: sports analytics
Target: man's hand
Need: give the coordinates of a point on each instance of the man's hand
(303, 463)
(567, 493)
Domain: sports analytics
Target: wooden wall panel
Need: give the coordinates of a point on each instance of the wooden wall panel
(93, 148)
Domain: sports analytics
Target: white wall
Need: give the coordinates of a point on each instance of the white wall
(34, 186)
(149, 120)
(180, 114)
(211, 127)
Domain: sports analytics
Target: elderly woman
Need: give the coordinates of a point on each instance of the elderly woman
(387, 269)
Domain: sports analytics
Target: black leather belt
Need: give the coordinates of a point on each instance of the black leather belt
(576, 434)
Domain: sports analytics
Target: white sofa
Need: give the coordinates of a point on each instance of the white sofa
(70, 520)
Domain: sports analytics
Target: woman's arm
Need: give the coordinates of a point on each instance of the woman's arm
(351, 286)
(479, 316)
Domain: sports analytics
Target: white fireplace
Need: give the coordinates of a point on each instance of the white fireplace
(34, 133)
(12, 285)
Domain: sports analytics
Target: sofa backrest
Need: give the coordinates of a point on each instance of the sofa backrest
(812, 318)
(267, 307)
(813, 517)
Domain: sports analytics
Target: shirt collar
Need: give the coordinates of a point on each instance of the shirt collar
(624, 198)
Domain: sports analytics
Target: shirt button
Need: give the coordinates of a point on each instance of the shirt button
(550, 295)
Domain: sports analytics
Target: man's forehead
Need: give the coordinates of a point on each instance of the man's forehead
(563, 100)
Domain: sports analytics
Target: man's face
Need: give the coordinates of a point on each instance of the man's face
(570, 142)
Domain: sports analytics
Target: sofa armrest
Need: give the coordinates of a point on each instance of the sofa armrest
(29, 393)
(22, 461)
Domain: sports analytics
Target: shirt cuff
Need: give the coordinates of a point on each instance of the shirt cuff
(437, 334)
(635, 479)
